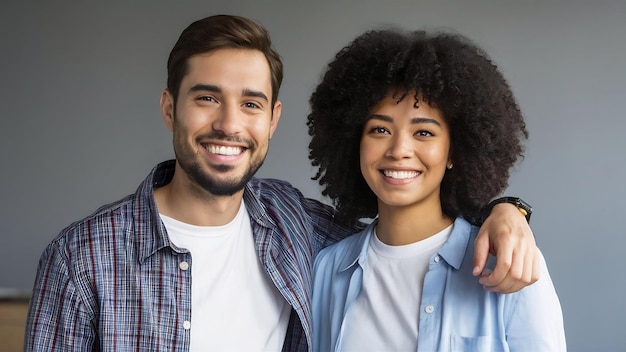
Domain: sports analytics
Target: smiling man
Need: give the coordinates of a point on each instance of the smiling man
(204, 256)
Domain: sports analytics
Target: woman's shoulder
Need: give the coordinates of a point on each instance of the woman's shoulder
(345, 246)
(344, 252)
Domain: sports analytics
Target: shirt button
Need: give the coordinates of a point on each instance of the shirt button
(429, 309)
(183, 265)
(437, 259)
(186, 323)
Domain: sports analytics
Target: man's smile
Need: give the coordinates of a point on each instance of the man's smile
(223, 150)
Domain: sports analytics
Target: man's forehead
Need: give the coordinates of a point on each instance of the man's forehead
(233, 69)
(233, 56)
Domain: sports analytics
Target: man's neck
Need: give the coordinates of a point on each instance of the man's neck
(190, 204)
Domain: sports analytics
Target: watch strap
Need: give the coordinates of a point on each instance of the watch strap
(524, 208)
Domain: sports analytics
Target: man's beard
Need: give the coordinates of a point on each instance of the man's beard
(188, 161)
(219, 188)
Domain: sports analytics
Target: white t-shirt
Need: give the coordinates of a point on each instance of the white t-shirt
(235, 306)
(385, 314)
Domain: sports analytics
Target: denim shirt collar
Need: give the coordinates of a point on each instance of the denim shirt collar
(453, 250)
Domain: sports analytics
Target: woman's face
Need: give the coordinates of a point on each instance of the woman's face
(405, 149)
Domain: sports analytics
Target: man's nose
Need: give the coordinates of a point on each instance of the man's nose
(229, 120)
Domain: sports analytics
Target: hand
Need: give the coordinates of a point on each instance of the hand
(507, 235)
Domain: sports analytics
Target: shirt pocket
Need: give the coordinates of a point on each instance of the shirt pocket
(477, 344)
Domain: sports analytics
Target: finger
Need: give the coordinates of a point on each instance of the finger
(481, 252)
(531, 258)
(530, 274)
(529, 271)
(536, 266)
(518, 275)
(523, 272)
(504, 259)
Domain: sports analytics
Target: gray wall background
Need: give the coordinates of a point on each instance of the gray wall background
(80, 86)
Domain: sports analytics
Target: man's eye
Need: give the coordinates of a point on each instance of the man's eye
(251, 105)
(206, 98)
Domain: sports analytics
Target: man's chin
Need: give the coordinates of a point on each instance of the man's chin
(228, 181)
(225, 190)
(222, 187)
(218, 187)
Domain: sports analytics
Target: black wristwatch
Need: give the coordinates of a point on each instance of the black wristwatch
(523, 207)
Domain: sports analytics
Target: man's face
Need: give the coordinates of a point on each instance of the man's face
(223, 119)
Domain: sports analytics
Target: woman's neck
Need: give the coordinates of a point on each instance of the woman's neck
(400, 226)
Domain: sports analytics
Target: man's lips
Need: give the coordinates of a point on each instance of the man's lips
(224, 150)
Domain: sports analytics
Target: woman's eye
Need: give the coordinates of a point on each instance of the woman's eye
(378, 130)
(424, 133)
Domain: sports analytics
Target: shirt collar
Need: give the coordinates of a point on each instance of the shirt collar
(357, 252)
(150, 234)
(453, 250)
(252, 197)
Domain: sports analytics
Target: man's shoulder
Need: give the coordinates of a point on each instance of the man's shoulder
(109, 217)
(269, 185)
(278, 193)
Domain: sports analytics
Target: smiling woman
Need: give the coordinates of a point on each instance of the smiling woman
(405, 149)
(426, 134)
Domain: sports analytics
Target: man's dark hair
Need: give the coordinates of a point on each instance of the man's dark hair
(449, 72)
(221, 32)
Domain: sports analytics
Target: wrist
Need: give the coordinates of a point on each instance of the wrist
(523, 207)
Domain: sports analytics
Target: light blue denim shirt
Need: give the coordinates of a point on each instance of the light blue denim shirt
(457, 314)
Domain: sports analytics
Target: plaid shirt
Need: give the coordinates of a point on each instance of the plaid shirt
(112, 281)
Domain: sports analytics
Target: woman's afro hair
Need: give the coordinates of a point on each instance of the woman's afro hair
(449, 72)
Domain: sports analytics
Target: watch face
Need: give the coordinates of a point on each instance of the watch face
(524, 207)
(522, 204)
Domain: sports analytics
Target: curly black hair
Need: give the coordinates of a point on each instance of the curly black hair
(449, 72)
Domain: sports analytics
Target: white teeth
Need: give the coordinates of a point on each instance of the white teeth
(400, 174)
(222, 150)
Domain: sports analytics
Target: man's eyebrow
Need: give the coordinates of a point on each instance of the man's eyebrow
(255, 94)
(205, 88)
(414, 120)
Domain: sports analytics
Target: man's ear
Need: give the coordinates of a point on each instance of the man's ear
(278, 106)
(167, 109)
